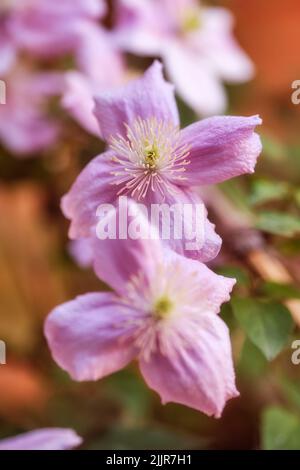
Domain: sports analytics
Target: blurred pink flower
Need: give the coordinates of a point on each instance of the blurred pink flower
(195, 42)
(103, 69)
(49, 29)
(42, 439)
(24, 125)
(151, 160)
(163, 312)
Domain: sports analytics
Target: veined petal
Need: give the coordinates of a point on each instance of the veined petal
(221, 147)
(194, 217)
(90, 336)
(94, 186)
(147, 97)
(197, 371)
(120, 260)
(43, 439)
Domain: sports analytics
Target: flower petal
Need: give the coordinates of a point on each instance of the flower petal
(221, 147)
(78, 101)
(43, 439)
(199, 373)
(139, 26)
(226, 56)
(89, 336)
(82, 251)
(94, 186)
(210, 242)
(194, 78)
(148, 96)
(117, 261)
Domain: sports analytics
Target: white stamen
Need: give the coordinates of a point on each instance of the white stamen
(151, 157)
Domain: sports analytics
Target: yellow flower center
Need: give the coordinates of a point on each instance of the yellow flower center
(151, 154)
(163, 307)
(191, 21)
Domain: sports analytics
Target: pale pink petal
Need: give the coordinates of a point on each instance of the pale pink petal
(43, 439)
(211, 242)
(226, 56)
(78, 101)
(24, 134)
(146, 97)
(98, 57)
(221, 147)
(117, 261)
(94, 186)
(140, 26)
(198, 372)
(194, 78)
(7, 51)
(82, 251)
(212, 289)
(49, 29)
(91, 336)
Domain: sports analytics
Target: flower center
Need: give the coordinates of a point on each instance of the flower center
(162, 307)
(149, 156)
(191, 20)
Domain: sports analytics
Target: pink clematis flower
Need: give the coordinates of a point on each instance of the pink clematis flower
(163, 313)
(42, 439)
(195, 42)
(150, 160)
(24, 125)
(48, 28)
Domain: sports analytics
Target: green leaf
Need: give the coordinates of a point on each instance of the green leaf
(279, 291)
(264, 191)
(267, 324)
(280, 430)
(252, 362)
(236, 272)
(278, 223)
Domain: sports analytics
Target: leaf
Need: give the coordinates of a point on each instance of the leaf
(278, 223)
(279, 291)
(236, 272)
(280, 430)
(264, 191)
(252, 362)
(267, 324)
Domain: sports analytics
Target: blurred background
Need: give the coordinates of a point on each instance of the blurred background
(258, 217)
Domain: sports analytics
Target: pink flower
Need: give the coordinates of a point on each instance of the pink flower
(42, 439)
(152, 161)
(103, 69)
(49, 29)
(7, 48)
(163, 313)
(195, 43)
(24, 126)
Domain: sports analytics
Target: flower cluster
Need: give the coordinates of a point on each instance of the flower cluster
(164, 303)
